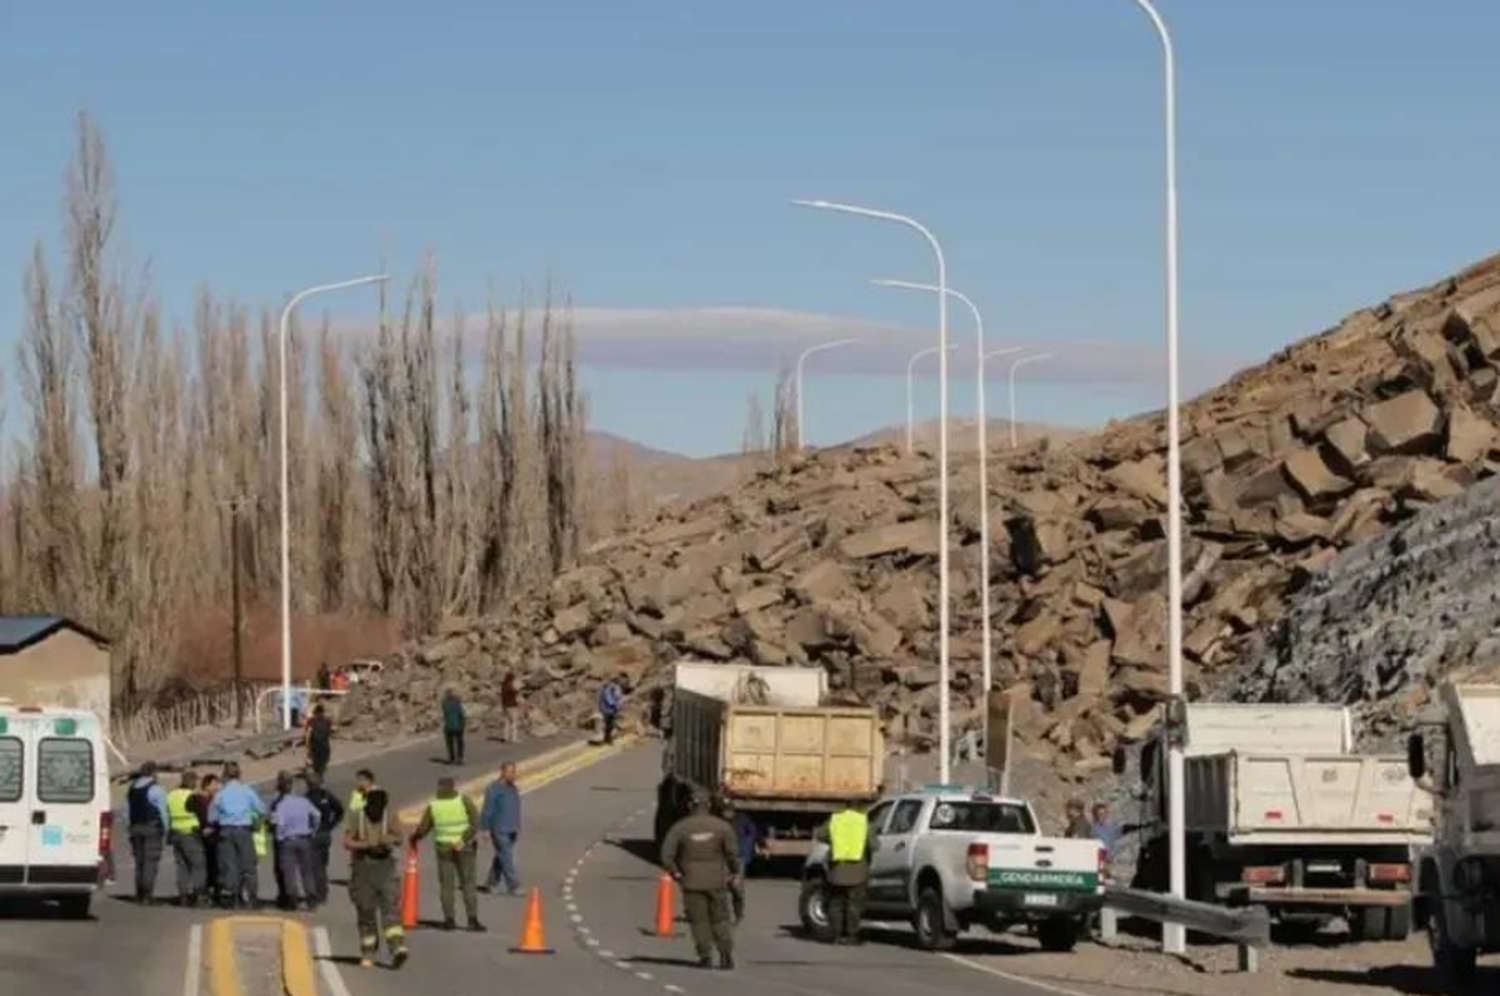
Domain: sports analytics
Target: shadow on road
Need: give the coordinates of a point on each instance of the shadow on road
(662, 961)
(37, 909)
(1413, 980)
(640, 848)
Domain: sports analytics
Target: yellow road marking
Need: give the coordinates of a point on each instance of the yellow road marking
(297, 972)
(296, 961)
(222, 974)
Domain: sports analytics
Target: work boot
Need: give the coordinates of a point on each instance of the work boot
(399, 956)
(705, 961)
(475, 927)
(450, 925)
(726, 961)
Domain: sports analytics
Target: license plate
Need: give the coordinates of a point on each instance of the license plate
(1324, 867)
(1040, 899)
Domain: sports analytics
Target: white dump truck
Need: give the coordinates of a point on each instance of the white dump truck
(1456, 755)
(1282, 813)
(764, 740)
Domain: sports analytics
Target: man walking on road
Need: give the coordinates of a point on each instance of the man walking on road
(319, 741)
(610, 700)
(501, 816)
(848, 836)
(372, 839)
(454, 721)
(700, 853)
(296, 821)
(453, 821)
(331, 814)
(235, 811)
(364, 784)
(746, 839)
(510, 707)
(149, 820)
(187, 840)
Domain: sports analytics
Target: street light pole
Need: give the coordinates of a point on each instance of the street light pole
(801, 359)
(911, 367)
(286, 514)
(944, 759)
(1174, 937)
(1011, 389)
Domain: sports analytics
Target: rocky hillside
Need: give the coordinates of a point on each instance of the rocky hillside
(830, 561)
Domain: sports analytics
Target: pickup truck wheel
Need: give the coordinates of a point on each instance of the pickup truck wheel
(1453, 964)
(930, 922)
(1368, 923)
(812, 907)
(1060, 933)
(1398, 922)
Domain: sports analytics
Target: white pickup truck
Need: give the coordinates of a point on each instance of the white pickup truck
(946, 859)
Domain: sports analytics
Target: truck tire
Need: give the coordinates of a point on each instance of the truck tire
(1453, 964)
(1059, 933)
(1398, 922)
(1368, 923)
(812, 908)
(76, 907)
(930, 921)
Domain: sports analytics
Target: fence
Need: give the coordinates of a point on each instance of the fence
(156, 723)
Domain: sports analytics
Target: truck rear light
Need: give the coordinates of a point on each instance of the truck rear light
(1390, 873)
(1385, 817)
(106, 834)
(1263, 875)
(979, 862)
(1103, 864)
(1273, 814)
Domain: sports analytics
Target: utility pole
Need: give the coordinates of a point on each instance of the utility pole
(235, 542)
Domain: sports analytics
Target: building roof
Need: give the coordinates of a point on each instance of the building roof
(19, 632)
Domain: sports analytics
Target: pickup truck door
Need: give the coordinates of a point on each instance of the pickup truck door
(891, 865)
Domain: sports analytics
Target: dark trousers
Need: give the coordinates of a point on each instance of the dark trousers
(457, 870)
(294, 858)
(318, 760)
(322, 851)
(238, 866)
(211, 884)
(145, 847)
(192, 866)
(708, 916)
(376, 892)
(278, 871)
(846, 907)
(455, 742)
(611, 720)
(737, 897)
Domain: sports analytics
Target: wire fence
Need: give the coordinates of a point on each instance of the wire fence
(153, 724)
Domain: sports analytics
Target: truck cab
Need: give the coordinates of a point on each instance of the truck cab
(55, 821)
(1456, 756)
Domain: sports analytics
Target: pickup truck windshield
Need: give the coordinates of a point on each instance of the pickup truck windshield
(981, 817)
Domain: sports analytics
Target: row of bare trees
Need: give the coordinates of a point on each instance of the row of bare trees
(435, 466)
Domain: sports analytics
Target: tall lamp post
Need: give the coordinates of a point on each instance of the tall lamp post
(1011, 389)
(802, 359)
(286, 513)
(1174, 937)
(944, 758)
(911, 414)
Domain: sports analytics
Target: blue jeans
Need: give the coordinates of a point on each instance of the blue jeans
(503, 868)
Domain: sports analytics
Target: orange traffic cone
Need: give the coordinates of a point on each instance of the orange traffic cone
(666, 906)
(409, 890)
(533, 935)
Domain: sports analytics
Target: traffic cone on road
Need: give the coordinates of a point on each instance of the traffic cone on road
(666, 906)
(409, 890)
(533, 934)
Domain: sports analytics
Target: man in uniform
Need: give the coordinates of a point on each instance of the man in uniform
(183, 808)
(364, 784)
(149, 819)
(236, 811)
(453, 821)
(371, 839)
(331, 813)
(848, 835)
(700, 853)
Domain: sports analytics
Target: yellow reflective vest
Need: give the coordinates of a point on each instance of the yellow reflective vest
(847, 833)
(450, 820)
(356, 802)
(184, 820)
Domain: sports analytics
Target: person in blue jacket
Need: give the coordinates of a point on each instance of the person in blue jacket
(610, 701)
(501, 816)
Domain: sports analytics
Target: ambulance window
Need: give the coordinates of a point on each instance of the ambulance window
(11, 780)
(65, 770)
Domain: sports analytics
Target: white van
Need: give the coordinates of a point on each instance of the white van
(55, 820)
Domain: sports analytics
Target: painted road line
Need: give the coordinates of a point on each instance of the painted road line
(330, 971)
(1010, 977)
(223, 976)
(193, 974)
(536, 772)
(297, 975)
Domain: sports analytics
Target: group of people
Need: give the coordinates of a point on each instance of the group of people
(1098, 825)
(218, 829)
(456, 720)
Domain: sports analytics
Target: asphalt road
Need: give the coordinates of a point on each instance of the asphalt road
(584, 845)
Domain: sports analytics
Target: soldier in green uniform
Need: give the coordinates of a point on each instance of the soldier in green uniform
(453, 821)
(701, 854)
(372, 838)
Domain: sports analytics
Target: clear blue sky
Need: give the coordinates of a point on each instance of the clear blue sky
(640, 155)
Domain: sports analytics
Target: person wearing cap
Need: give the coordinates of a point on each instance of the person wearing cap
(701, 853)
(453, 821)
(147, 807)
(371, 839)
(186, 825)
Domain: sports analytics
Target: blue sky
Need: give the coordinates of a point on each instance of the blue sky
(641, 155)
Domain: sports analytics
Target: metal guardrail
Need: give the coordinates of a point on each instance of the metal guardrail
(1248, 927)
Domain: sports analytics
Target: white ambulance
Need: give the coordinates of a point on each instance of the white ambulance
(55, 820)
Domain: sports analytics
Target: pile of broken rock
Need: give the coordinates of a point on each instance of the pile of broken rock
(829, 560)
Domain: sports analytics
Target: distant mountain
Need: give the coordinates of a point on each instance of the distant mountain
(962, 433)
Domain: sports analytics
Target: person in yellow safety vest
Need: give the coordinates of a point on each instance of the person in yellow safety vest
(364, 783)
(186, 833)
(848, 836)
(372, 838)
(453, 821)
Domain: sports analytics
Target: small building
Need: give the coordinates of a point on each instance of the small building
(53, 661)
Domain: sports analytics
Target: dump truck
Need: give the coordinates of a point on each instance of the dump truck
(1281, 812)
(1455, 754)
(765, 740)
